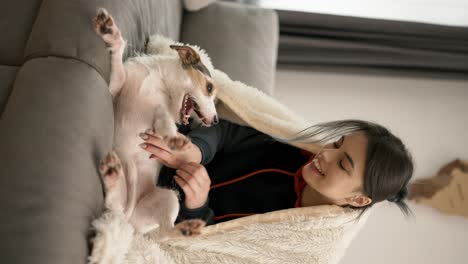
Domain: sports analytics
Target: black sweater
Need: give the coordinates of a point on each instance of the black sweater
(230, 151)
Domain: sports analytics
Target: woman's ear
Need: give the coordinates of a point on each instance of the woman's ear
(359, 200)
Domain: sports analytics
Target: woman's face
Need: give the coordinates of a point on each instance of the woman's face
(340, 174)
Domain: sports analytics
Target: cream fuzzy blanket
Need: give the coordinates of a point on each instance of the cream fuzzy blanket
(318, 234)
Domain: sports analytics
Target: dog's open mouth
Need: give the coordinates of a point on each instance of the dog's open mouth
(188, 106)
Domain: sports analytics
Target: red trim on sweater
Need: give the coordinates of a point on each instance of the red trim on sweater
(216, 218)
(299, 184)
(250, 175)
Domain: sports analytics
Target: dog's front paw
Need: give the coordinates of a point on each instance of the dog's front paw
(178, 142)
(103, 22)
(190, 227)
(105, 27)
(110, 169)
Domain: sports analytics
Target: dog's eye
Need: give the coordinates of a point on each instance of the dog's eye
(209, 87)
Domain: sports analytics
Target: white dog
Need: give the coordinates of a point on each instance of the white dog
(154, 91)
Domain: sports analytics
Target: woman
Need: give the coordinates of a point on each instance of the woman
(254, 173)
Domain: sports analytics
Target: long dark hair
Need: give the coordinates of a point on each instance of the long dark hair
(389, 165)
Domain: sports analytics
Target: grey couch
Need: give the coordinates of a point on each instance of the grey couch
(56, 119)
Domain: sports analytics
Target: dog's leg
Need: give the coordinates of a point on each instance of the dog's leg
(186, 228)
(161, 207)
(155, 204)
(114, 182)
(105, 26)
(164, 125)
(166, 216)
(132, 176)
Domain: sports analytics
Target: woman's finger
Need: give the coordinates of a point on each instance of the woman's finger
(198, 170)
(155, 140)
(189, 190)
(190, 167)
(185, 186)
(160, 153)
(190, 179)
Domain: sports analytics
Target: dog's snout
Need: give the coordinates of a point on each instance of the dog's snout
(215, 120)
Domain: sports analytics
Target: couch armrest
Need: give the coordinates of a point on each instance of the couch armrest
(241, 40)
(56, 126)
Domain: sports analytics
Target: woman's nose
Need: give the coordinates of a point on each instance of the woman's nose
(327, 155)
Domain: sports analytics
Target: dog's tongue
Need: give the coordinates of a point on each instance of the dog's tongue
(189, 108)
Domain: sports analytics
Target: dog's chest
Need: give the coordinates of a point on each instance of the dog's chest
(140, 96)
(135, 108)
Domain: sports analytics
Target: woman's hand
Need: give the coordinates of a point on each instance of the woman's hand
(155, 145)
(195, 182)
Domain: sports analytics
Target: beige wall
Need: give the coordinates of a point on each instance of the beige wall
(445, 12)
(431, 117)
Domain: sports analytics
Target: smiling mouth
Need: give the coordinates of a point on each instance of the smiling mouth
(315, 169)
(188, 106)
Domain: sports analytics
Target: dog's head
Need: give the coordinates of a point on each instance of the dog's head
(199, 95)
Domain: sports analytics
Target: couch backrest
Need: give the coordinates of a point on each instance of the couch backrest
(16, 21)
(56, 119)
(34, 28)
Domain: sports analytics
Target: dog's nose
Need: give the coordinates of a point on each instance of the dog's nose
(215, 120)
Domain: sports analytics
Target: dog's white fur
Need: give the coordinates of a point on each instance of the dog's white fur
(148, 93)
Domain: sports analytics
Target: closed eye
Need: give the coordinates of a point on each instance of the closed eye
(335, 145)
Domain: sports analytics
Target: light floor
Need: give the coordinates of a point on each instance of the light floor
(431, 117)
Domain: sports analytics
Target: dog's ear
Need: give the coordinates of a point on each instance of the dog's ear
(187, 55)
(190, 58)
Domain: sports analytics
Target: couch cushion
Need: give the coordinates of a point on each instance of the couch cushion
(58, 122)
(56, 127)
(7, 76)
(241, 40)
(65, 28)
(16, 21)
